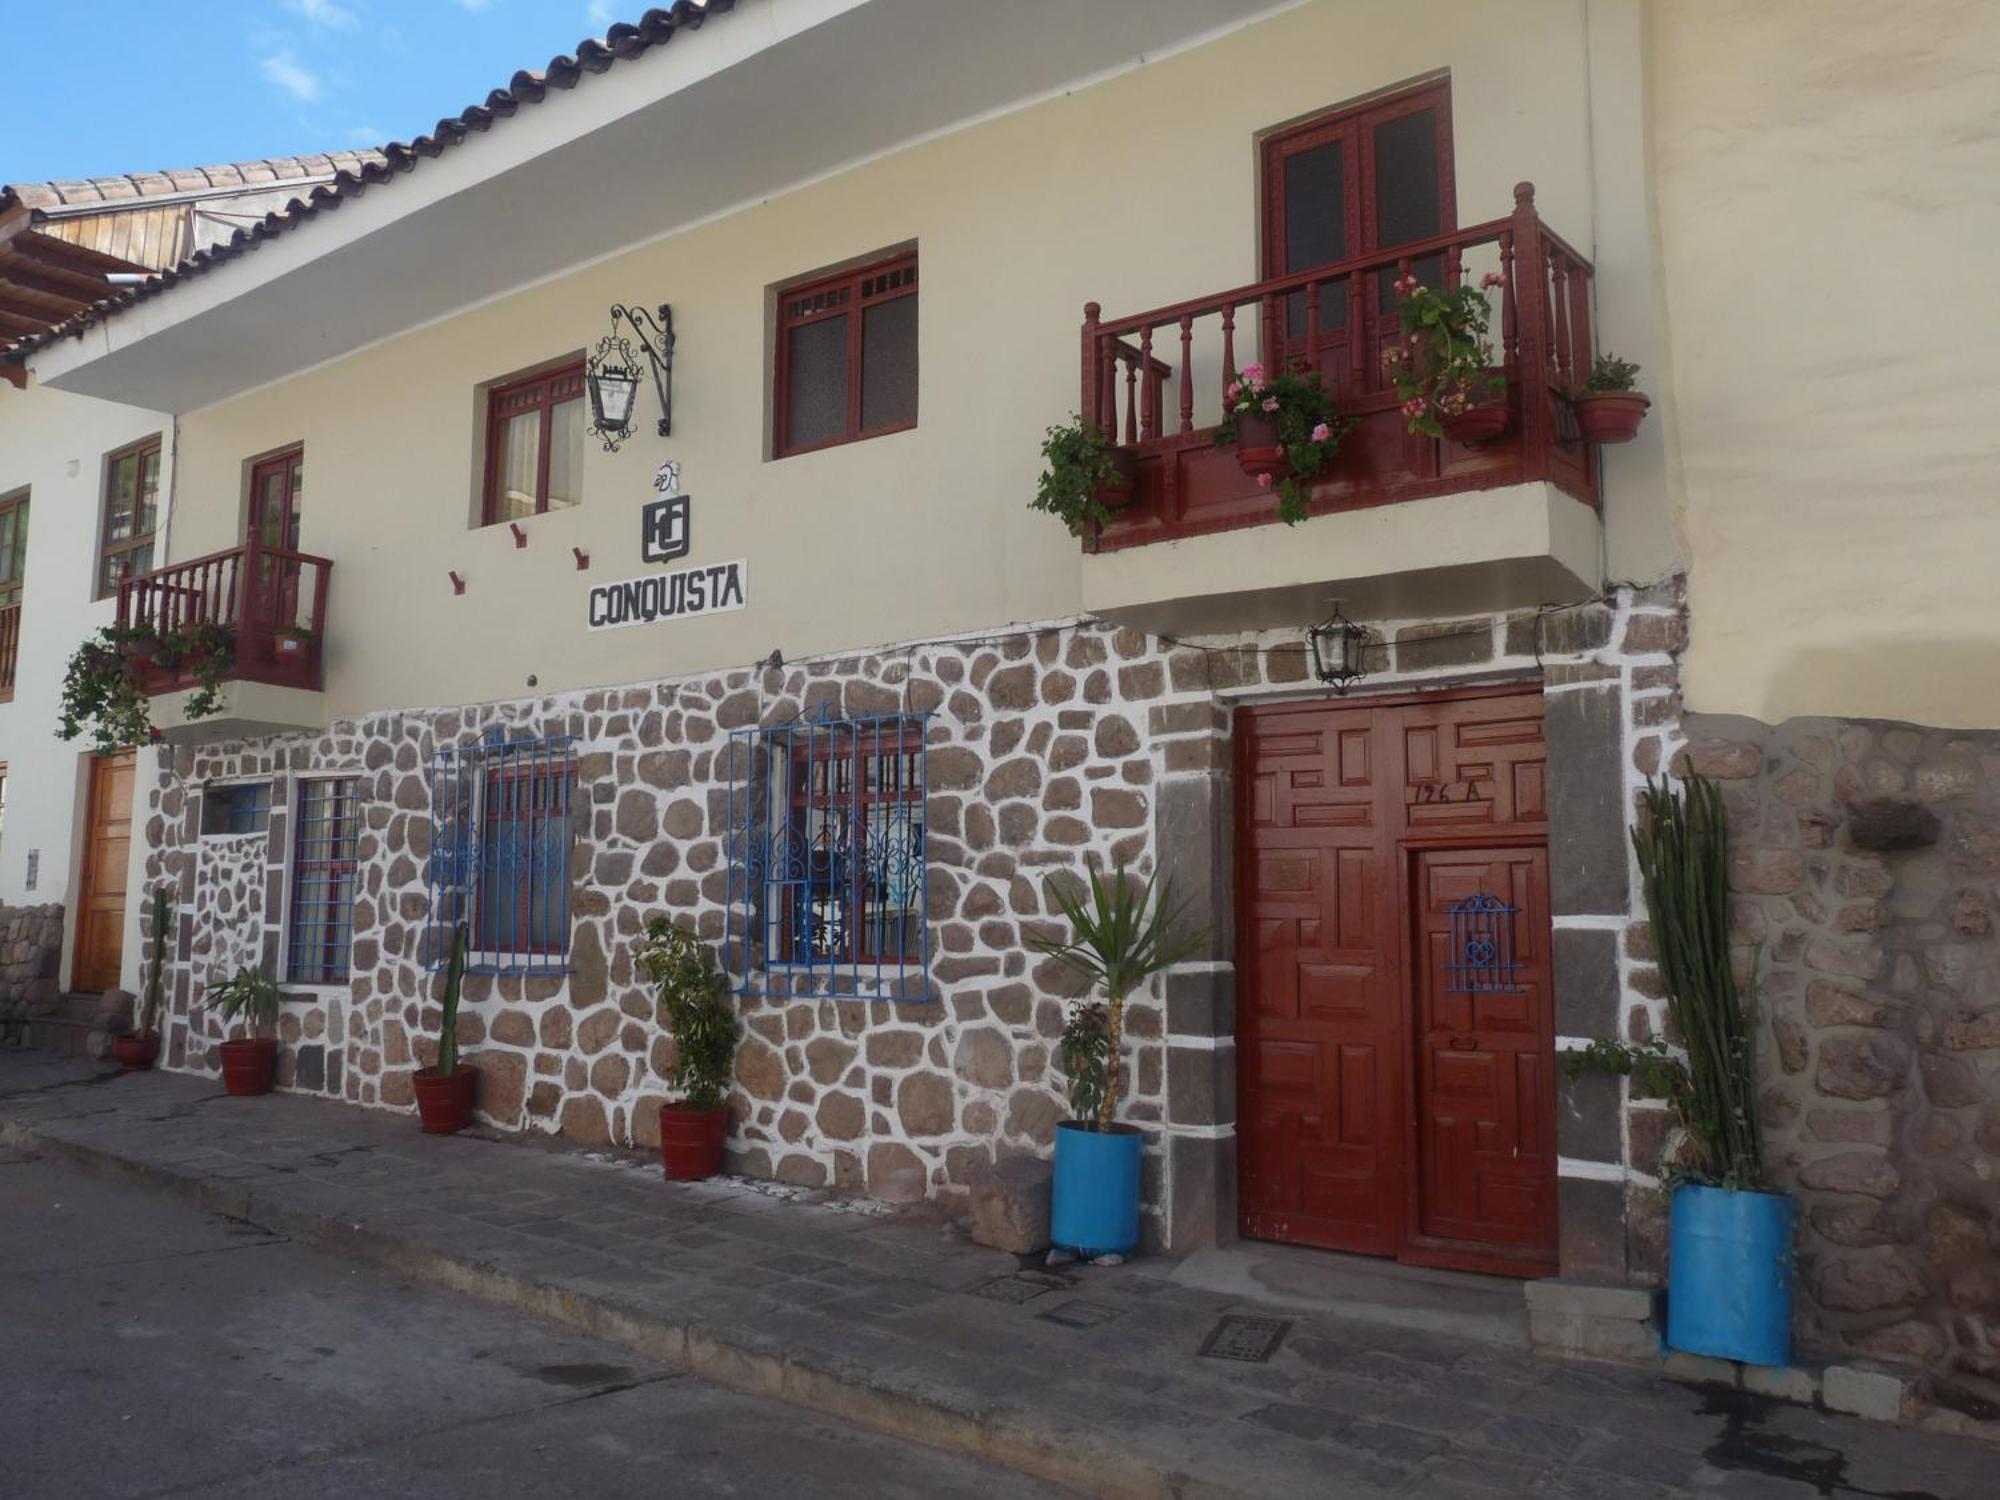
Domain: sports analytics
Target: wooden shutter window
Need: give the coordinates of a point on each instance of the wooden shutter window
(131, 514)
(847, 357)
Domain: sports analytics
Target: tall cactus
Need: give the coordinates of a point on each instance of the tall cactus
(149, 1007)
(454, 981)
(1682, 843)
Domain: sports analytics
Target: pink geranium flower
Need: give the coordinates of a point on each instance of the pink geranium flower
(1406, 285)
(1231, 391)
(1251, 373)
(1492, 279)
(1321, 433)
(1270, 403)
(1263, 481)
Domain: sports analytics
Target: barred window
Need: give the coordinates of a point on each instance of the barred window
(238, 807)
(827, 857)
(500, 842)
(321, 929)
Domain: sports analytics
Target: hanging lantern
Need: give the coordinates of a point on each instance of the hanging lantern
(614, 372)
(1336, 645)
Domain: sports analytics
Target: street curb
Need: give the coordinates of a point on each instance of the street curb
(850, 1392)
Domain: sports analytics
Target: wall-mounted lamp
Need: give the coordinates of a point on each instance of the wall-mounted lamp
(612, 373)
(1337, 644)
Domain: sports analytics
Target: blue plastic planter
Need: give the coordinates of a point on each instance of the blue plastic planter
(1096, 1208)
(1729, 1279)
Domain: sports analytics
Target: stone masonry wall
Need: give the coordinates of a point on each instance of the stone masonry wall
(1047, 746)
(30, 959)
(1866, 866)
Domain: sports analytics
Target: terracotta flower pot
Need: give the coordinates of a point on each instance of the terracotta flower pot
(1257, 447)
(291, 645)
(247, 1065)
(691, 1141)
(135, 1053)
(1476, 424)
(1611, 416)
(1116, 494)
(445, 1104)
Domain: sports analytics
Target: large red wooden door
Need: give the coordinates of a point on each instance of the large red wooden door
(1394, 1015)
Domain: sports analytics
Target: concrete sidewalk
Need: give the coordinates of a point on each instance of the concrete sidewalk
(1118, 1381)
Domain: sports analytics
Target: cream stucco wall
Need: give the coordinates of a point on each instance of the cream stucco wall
(1829, 202)
(54, 445)
(1136, 191)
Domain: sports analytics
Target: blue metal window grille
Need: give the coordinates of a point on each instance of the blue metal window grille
(500, 842)
(827, 854)
(1482, 947)
(321, 929)
(242, 807)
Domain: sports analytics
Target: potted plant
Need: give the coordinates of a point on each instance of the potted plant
(1285, 432)
(293, 640)
(1729, 1275)
(1119, 939)
(1086, 476)
(694, 1006)
(101, 693)
(1608, 409)
(254, 1000)
(1443, 369)
(204, 650)
(445, 1091)
(140, 1048)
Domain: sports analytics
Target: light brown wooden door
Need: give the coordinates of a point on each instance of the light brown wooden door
(107, 844)
(1395, 1091)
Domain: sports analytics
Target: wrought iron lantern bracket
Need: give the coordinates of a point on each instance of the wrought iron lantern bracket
(612, 373)
(1337, 645)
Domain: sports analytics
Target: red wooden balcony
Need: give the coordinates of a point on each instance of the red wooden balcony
(271, 601)
(1339, 319)
(10, 648)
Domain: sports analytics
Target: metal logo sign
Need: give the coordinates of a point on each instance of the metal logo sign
(669, 596)
(663, 529)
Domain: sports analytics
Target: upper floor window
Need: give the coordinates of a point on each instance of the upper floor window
(131, 512)
(13, 546)
(1365, 178)
(534, 444)
(847, 356)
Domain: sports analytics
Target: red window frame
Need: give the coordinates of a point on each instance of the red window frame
(815, 300)
(852, 798)
(107, 549)
(542, 392)
(12, 583)
(288, 468)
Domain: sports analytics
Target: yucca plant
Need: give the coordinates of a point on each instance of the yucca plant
(1682, 843)
(248, 997)
(1120, 938)
(454, 985)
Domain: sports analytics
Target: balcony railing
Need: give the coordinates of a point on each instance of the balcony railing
(1339, 320)
(10, 648)
(271, 601)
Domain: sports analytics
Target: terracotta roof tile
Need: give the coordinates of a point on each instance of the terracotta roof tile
(227, 178)
(362, 170)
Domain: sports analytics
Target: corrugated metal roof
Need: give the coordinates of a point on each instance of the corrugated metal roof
(622, 42)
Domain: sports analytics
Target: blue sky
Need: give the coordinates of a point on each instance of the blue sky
(96, 87)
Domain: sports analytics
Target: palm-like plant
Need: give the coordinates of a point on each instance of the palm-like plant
(1120, 938)
(249, 997)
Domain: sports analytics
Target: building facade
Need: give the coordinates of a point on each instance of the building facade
(801, 668)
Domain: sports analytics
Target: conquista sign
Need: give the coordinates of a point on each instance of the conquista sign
(712, 589)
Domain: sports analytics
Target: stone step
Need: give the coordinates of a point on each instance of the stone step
(76, 1025)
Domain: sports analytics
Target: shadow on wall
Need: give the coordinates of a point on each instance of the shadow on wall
(1950, 683)
(1865, 865)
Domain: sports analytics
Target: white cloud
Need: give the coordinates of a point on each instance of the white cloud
(327, 13)
(283, 69)
(365, 135)
(602, 13)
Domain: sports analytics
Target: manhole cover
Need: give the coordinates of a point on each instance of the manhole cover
(1010, 1289)
(1250, 1340)
(1080, 1314)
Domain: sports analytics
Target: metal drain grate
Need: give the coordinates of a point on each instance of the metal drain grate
(1249, 1340)
(1015, 1289)
(1080, 1314)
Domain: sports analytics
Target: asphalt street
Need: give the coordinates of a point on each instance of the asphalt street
(148, 1348)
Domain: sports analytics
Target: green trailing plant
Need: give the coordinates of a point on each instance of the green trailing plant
(104, 695)
(1682, 843)
(1119, 938)
(156, 966)
(1444, 364)
(693, 995)
(454, 989)
(1610, 373)
(1079, 464)
(247, 997)
(1309, 431)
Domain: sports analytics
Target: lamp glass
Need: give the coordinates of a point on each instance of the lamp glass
(613, 390)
